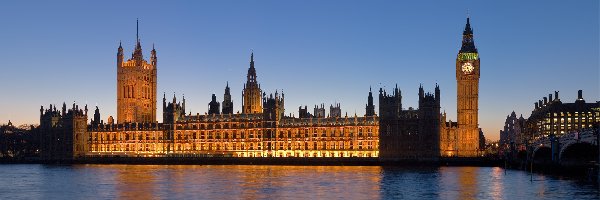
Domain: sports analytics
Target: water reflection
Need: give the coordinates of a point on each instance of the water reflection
(281, 182)
(467, 182)
(130, 184)
(245, 182)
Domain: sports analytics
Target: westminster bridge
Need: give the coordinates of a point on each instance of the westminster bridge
(571, 149)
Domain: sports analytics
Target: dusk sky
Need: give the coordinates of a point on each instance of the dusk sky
(315, 51)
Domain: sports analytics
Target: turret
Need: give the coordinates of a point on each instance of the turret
(580, 99)
(164, 101)
(120, 56)
(421, 93)
(97, 119)
(213, 106)
(64, 108)
(437, 95)
(227, 103)
(183, 102)
(174, 98)
(153, 57)
(370, 108)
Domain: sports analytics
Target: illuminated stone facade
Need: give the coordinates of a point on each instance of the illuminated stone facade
(553, 117)
(136, 86)
(261, 130)
(240, 135)
(462, 138)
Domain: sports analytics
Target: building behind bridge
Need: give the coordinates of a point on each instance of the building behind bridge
(549, 118)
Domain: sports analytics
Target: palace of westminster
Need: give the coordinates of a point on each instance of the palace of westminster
(262, 129)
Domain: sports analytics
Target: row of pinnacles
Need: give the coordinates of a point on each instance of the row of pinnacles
(319, 111)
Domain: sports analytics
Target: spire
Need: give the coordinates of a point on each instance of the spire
(174, 98)
(468, 29)
(137, 53)
(120, 50)
(468, 45)
(251, 71)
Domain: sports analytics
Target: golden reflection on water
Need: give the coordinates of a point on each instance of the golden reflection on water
(496, 183)
(133, 185)
(244, 182)
(458, 182)
(467, 180)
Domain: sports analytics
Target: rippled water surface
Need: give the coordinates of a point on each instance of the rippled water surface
(281, 182)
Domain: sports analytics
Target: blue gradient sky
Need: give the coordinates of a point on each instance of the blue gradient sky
(316, 51)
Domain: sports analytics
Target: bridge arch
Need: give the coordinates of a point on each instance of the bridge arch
(542, 155)
(578, 153)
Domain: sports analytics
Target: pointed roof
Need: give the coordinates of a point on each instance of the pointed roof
(468, 44)
(251, 71)
(468, 30)
(137, 53)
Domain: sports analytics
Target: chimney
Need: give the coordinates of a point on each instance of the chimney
(536, 105)
(545, 100)
(549, 97)
(579, 95)
(556, 95)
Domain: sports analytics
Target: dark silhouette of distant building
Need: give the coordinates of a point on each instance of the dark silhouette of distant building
(227, 102)
(213, 106)
(319, 112)
(409, 134)
(173, 111)
(303, 112)
(335, 111)
(370, 108)
(64, 134)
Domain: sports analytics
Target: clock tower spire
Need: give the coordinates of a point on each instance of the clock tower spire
(467, 78)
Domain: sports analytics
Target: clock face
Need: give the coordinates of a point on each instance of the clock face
(467, 68)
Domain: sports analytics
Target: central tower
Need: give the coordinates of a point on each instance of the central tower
(252, 101)
(136, 85)
(467, 78)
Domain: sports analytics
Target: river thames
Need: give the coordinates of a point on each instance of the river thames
(282, 182)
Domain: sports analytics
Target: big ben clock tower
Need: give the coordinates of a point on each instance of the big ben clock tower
(467, 78)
